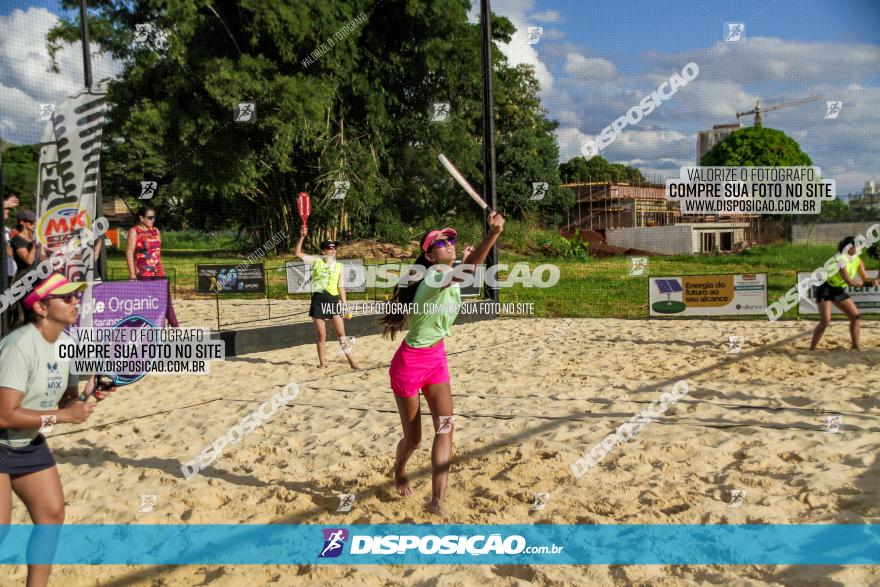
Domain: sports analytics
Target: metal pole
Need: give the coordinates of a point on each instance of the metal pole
(4, 321)
(100, 260)
(488, 133)
(84, 36)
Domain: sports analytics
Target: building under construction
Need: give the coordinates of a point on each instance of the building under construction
(602, 206)
(638, 213)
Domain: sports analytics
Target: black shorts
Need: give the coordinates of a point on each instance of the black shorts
(321, 303)
(830, 293)
(31, 458)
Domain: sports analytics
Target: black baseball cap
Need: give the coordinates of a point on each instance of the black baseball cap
(325, 244)
(26, 215)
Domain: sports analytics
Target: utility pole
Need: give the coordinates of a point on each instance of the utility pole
(4, 278)
(100, 268)
(84, 36)
(488, 135)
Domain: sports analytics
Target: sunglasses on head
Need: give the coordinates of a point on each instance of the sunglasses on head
(439, 244)
(68, 298)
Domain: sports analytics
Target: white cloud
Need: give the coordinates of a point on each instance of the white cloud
(549, 16)
(570, 142)
(519, 51)
(588, 68)
(764, 59)
(25, 79)
(732, 77)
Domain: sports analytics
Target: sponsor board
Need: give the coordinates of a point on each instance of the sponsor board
(107, 304)
(867, 299)
(708, 295)
(224, 279)
(299, 276)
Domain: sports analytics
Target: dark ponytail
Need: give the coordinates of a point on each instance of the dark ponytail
(393, 322)
(846, 242)
(19, 315)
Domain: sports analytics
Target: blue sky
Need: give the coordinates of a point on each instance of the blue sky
(678, 25)
(596, 59)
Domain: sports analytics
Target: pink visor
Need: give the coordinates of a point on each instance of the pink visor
(55, 284)
(435, 234)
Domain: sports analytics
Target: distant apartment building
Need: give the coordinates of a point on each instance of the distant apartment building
(709, 138)
(869, 198)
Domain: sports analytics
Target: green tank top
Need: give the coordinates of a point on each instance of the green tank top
(852, 268)
(326, 277)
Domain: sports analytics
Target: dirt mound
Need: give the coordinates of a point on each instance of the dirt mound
(601, 250)
(373, 249)
(586, 235)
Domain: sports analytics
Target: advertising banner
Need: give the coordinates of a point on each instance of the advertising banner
(867, 299)
(221, 279)
(68, 175)
(109, 303)
(708, 295)
(299, 276)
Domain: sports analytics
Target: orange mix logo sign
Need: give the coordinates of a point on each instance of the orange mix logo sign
(60, 224)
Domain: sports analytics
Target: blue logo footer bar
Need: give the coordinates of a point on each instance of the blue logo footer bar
(182, 544)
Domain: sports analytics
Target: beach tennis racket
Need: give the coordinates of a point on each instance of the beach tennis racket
(98, 383)
(304, 205)
(104, 381)
(456, 174)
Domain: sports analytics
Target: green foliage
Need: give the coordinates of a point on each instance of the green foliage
(197, 240)
(391, 229)
(759, 147)
(834, 211)
(359, 112)
(575, 247)
(598, 168)
(756, 146)
(526, 236)
(20, 163)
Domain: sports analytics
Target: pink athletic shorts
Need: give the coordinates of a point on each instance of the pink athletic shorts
(412, 369)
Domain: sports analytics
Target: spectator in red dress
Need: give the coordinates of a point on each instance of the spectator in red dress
(144, 254)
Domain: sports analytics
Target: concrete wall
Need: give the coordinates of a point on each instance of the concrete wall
(270, 338)
(665, 240)
(737, 237)
(827, 234)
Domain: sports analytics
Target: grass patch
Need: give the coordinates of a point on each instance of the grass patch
(600, 288)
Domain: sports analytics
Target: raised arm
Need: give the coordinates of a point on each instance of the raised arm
(298, 250)
(478, 256)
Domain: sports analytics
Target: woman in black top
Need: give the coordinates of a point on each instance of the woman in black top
(27, 252)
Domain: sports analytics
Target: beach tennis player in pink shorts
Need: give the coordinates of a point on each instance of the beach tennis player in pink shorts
(420, 362)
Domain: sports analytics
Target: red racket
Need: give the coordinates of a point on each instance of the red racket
(304, 205)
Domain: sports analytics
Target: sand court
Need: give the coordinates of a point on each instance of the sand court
(750, 442)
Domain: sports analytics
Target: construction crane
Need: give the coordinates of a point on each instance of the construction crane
(758, 110)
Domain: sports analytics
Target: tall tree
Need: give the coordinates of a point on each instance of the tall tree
(756, 146)
(20, 163)
(343, 93)
(598, 168)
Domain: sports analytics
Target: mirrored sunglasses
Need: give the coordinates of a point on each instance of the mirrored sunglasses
(439, 244)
